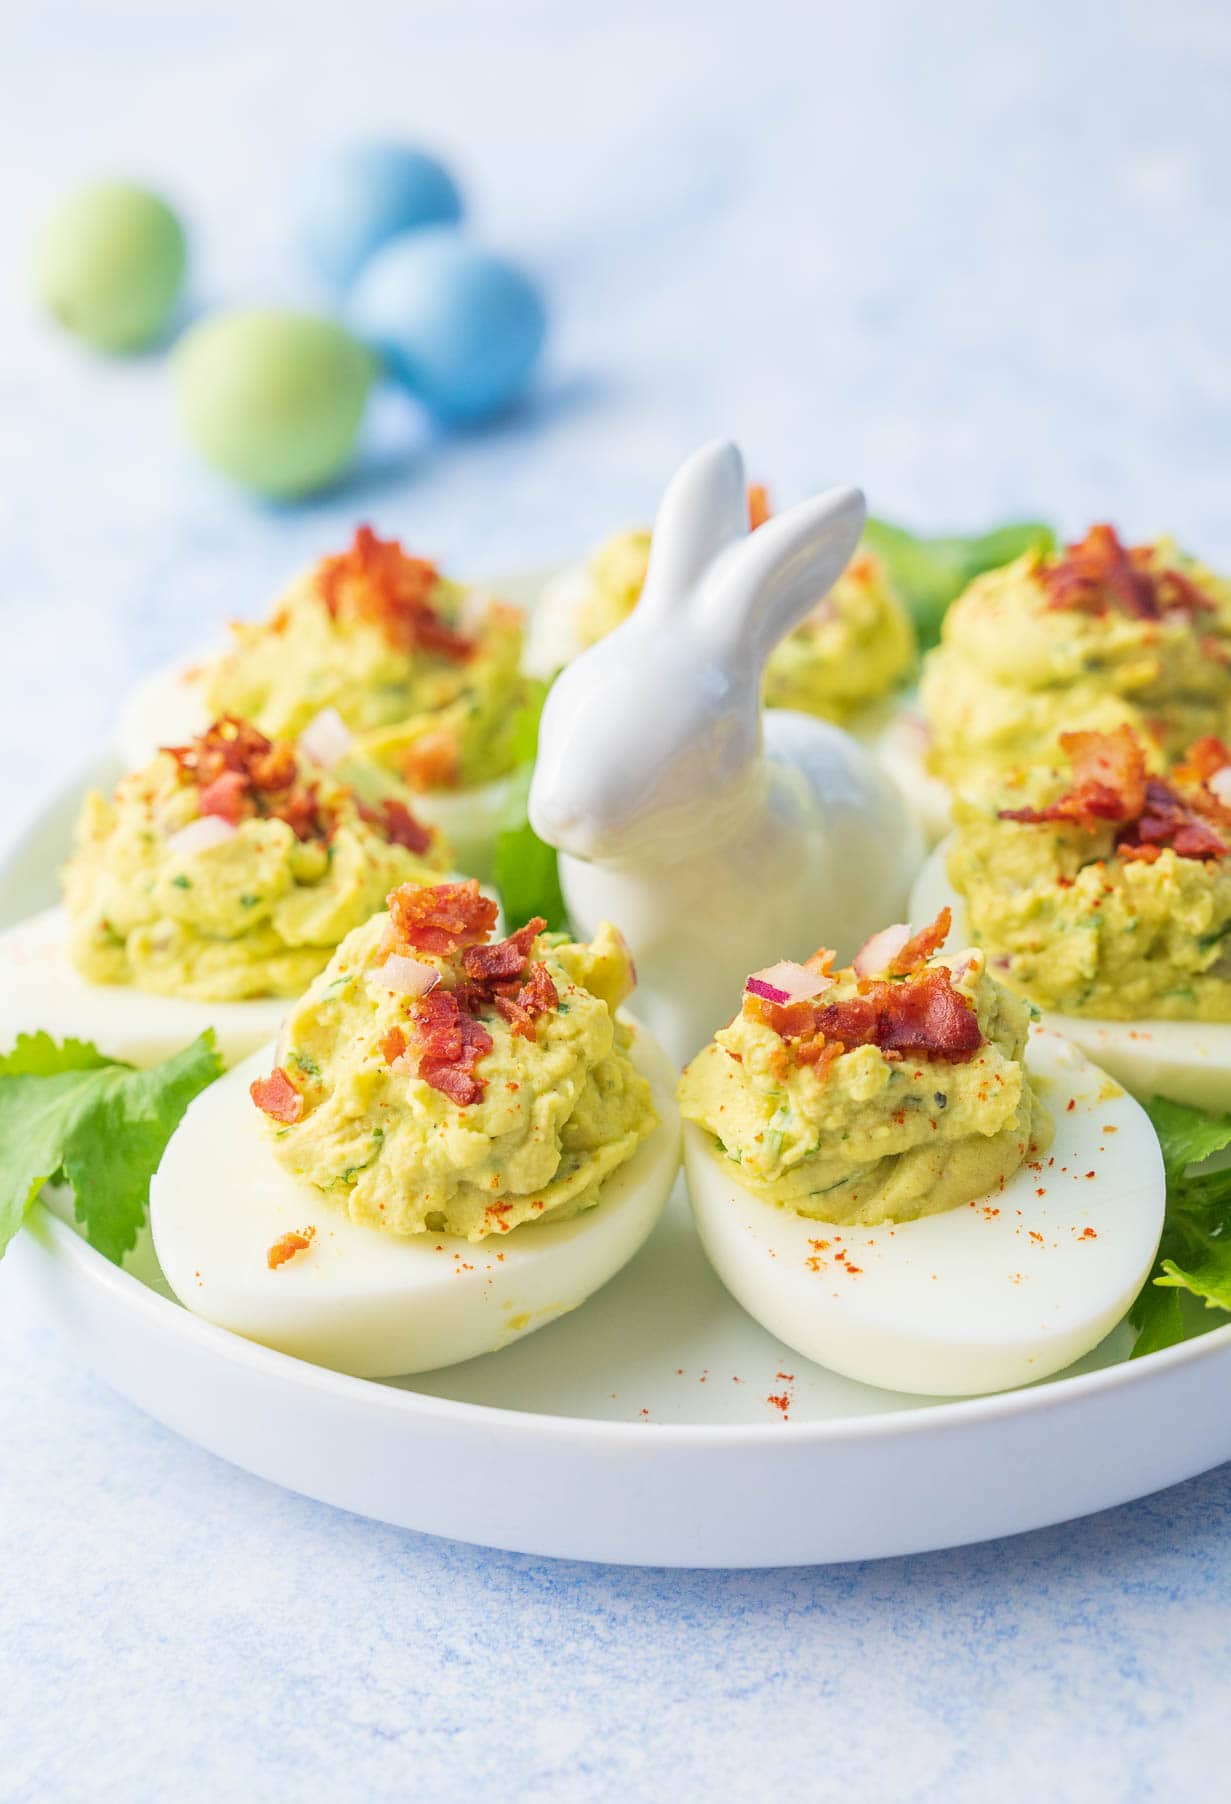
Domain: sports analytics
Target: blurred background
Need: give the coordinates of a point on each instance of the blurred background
(973, 258)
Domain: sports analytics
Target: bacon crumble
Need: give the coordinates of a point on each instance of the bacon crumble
(1099, 573)
(242, 775)
(376, 580)
(277, 1097)
(442, 917)
(1150, 814)
(456, 918)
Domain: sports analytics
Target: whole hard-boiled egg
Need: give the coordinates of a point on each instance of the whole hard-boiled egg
(263, 1253)
(1187, 1061)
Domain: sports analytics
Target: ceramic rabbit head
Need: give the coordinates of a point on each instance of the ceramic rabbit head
(648, 734)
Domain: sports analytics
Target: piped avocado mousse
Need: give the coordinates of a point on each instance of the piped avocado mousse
(231, 867)
(425, 672)
(891, 1090)
(1102, 889)
(434, 1081)
(854, 648)
(1102, 636)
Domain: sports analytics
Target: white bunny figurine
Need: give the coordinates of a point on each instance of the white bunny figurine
(718, 838)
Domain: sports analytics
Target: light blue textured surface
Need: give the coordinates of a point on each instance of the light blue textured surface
(973, 257)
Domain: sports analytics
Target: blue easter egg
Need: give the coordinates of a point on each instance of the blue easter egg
(363, 195)
(460, 327)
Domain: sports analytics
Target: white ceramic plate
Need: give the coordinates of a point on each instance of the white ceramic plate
(658, 1425)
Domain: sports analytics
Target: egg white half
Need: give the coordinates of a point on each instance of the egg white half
(40, 988)
(998, 1293)
(901, 748)
(362, 1300)
(1188, 1061)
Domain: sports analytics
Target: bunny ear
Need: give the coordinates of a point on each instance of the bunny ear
(766, 585)
(704, 511)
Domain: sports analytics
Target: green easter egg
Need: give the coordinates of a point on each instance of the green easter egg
(273, 400)
(109, 265)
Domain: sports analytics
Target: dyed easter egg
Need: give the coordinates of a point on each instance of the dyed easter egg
(362, 195)
(109, 264)
(460, 327)
(273, 400)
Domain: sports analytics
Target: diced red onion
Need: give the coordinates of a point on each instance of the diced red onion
(1219, 785)
(326, 739)
(199, 835)
(788, 982)
(408, 976)
(881, 950)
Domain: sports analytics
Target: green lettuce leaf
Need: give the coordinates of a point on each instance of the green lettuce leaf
(930, 573)
(1195, 1253)
(526, 871)
(69, 1114)
(527, 874)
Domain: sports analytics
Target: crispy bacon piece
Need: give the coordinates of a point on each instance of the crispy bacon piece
(1112, 787)
(1109, 781)
(450, 1044)
(441, 917)
(287, 1247)
(393, 1045)
(277, 1097)
(1099, 573)
(242, 775)
(1167, 819)
(399, 826)
(537, 996)
(921, 946)
(376, 580)
(506, 958)
(924, 1016)
(1202, 760)
(758, 505)
(929, 1017)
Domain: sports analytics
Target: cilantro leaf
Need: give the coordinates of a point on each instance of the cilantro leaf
(930, 573)
(1195, 1252)
(38, 1055)
(67, 1112)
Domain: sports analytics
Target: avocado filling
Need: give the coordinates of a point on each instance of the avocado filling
(888, 1091)
(425, 674)
(231, 867)
(435, 1081)
(1101, 636)
(1103, 889)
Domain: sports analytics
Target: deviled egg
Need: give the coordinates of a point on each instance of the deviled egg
(212, 886)
(1099, 636)
(900, 1181)
(454, 1141)
(843, 662)
(425, 674)
(1102, 893)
